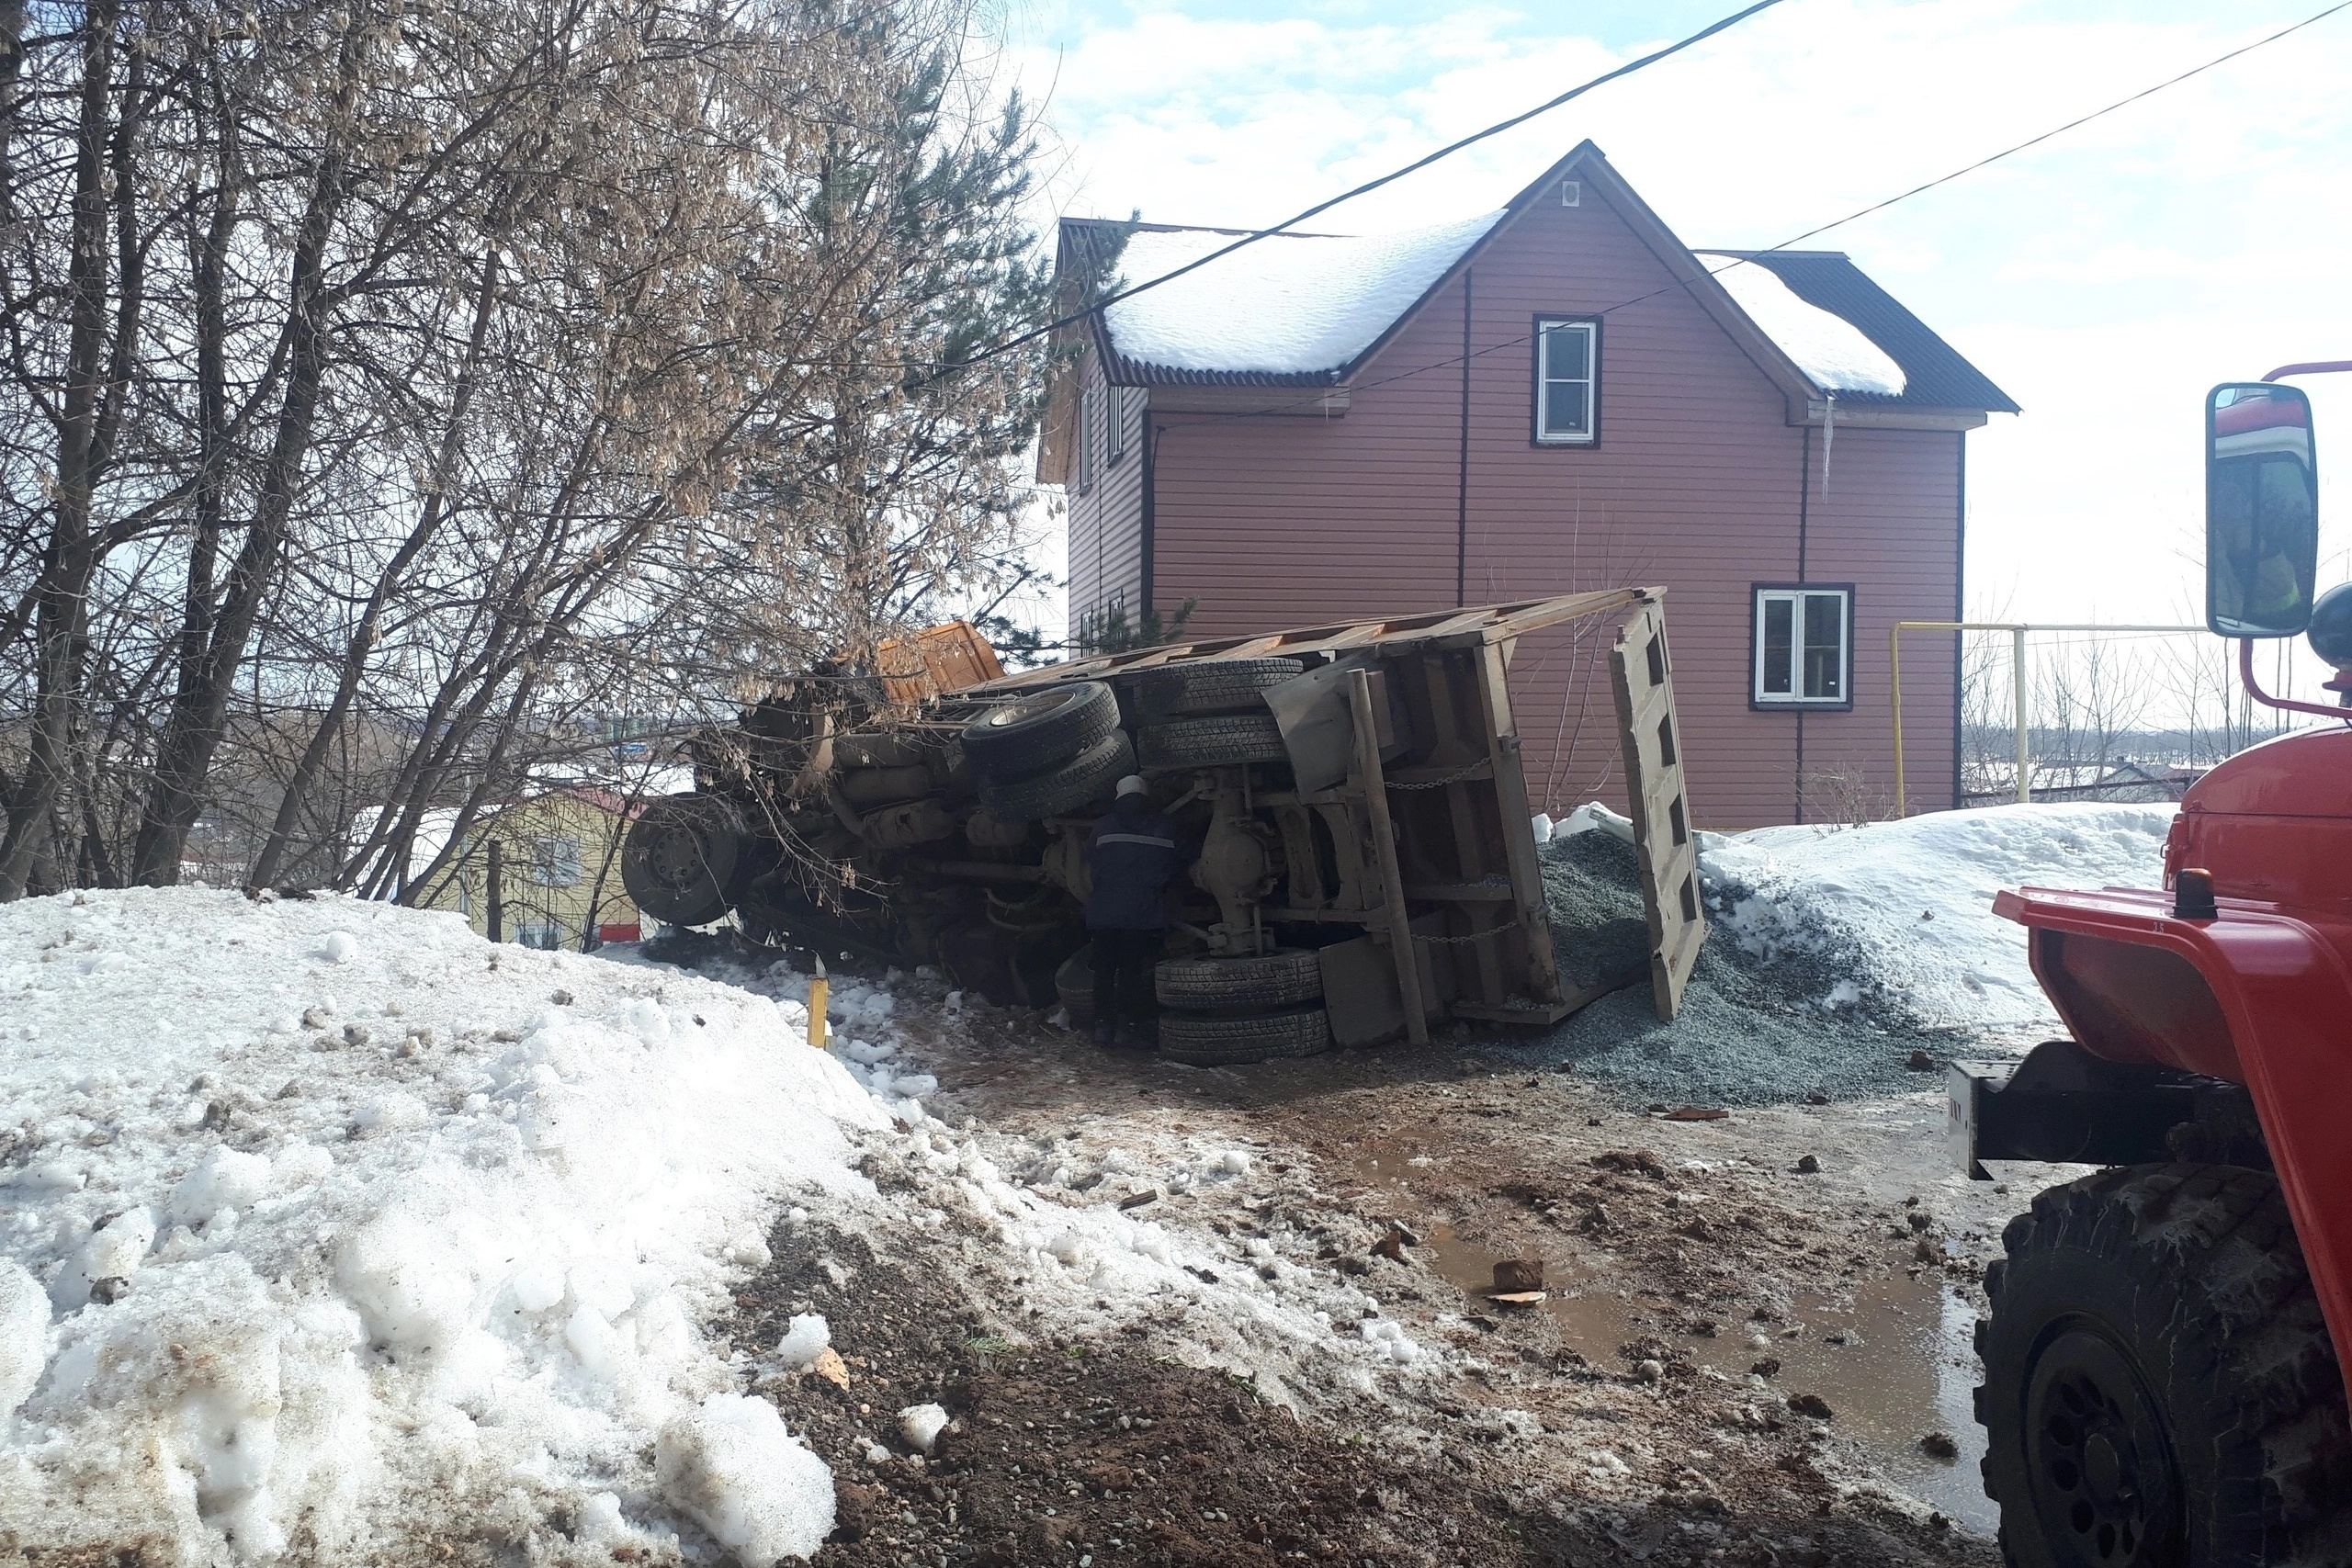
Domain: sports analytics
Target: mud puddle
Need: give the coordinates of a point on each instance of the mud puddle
(1894, 1359)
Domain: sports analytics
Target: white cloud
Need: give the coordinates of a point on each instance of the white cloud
(2105, 279)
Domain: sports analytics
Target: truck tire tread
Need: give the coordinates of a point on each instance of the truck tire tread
(1224, 685)
(1220, 740)
(1208, 1040)
(2203, 1260)
(1283, 976)
(1063, 788)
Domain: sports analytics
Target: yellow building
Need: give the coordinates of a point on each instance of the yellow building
(559, 871)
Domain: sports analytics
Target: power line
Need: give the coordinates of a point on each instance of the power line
(1417, 165)
(1858, 214)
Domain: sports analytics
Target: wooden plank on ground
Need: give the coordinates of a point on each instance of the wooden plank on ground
(1664, 845)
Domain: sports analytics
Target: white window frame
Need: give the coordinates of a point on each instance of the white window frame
(1545, 378)
(1114, 433)
(1793, 661)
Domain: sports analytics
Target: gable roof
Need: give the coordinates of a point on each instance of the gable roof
(1310, 310)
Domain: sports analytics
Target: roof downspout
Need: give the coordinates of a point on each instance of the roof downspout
(1462, 478)
(1805, 518)
(1959, 597)
(1147, 525)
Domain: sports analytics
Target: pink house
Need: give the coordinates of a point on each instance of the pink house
(1560, 396)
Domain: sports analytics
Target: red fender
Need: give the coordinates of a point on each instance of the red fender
(2258, 996)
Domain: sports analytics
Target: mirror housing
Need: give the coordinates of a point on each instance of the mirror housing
(2261, 511)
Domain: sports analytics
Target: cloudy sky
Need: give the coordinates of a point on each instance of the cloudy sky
(2105, 279)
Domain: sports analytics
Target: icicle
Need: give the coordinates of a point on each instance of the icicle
(1828, 440)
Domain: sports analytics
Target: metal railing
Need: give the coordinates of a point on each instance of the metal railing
(2017, 630)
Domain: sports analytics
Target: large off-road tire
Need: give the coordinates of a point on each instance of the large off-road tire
(1215, 1041)
(1221, 741)
(1286, 975)
(2159, 1387)
(1041, 731)
(1224, 685)
(1062, 789)
(680, 861)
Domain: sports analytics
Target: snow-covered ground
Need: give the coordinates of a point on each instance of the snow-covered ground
(328, 1229)
(350, 1224)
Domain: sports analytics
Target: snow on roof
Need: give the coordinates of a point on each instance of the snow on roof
(1287, 305)
(1828, 348)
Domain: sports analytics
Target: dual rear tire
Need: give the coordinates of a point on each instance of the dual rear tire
(1228, 1011)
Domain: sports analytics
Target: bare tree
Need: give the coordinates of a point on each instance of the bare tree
(400, 389)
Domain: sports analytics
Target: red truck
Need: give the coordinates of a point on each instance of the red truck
(2164, 1361)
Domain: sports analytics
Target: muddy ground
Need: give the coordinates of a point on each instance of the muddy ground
(1753, 1346)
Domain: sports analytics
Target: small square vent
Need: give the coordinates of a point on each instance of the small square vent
(1571, 194)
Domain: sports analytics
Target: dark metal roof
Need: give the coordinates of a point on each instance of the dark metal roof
(1934, 373)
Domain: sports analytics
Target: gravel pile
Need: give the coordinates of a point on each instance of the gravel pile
(1751, 1033)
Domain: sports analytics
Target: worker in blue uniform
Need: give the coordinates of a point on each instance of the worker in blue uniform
(1133, 857)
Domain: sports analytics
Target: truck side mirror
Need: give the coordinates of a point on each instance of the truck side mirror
(2261, 509)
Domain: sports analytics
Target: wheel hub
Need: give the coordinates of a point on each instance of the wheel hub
(676, 857)
(2099, 1462)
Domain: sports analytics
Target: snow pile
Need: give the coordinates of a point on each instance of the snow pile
(734, 1469)
(1831, 350)
(1287, 304)
(330, 1227)
(919, 1426)
(1913, 901)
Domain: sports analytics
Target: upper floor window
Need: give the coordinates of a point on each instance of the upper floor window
(1567, 380)
(1114, 433)
(1803, 647)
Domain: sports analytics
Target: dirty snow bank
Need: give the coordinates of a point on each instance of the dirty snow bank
(1913, 901)
(330, 1229)
(1093, 1230)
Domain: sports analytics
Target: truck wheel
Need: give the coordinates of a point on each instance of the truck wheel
(1218, 741)
(1226, 685)
(2159, 1386)
(1041, 731)
(679, 861)
(1212, 1041)
(1285, 974)
(1062, 789)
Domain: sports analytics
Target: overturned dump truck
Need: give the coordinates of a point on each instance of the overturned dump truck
(1365, 862)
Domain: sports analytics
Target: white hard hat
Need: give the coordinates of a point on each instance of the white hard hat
(1132, 785)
